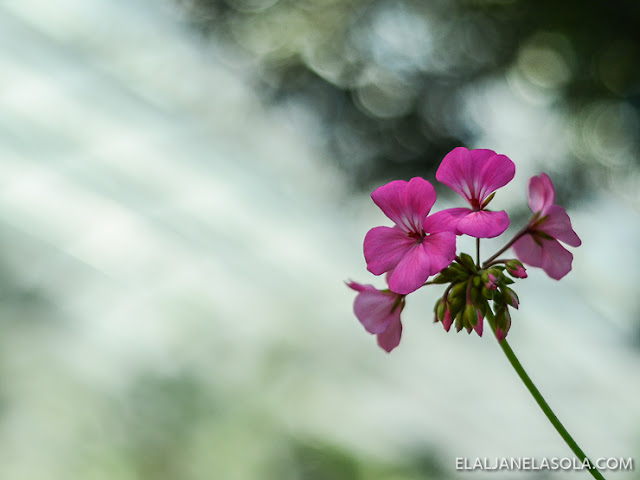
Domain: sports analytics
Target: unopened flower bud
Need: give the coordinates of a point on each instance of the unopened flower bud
(458, 290)
(516, 269)
(492, 282)
(467, 262)
(470, 315)
(447, 320)
(441, 309)
(511, 297)
(503, 323)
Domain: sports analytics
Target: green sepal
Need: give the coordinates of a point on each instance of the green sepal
(486, 202)
(458, 290)
(467, 262)
(456, 306)
(470, 315)
(441, 278)
(441, 309)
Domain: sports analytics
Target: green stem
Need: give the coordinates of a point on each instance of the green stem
(478, 252)
(515, 238)
(542, 402)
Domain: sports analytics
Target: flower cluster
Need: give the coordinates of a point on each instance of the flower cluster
(421, 245)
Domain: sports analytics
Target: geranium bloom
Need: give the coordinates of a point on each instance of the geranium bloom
(539, 246)
(475, 175)
(411, 251)
(379, 313)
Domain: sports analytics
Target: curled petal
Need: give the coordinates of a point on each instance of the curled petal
(412, 271)
(358, 287)
(484, 224)
(384, 247)
(558, 225)
(390, 338)
(540, 194)
(406, 203)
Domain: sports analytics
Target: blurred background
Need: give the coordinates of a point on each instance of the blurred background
(185, 188)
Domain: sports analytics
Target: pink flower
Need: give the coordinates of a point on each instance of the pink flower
(540, 247)
(411, 251)
(379, 313)
(475, 175)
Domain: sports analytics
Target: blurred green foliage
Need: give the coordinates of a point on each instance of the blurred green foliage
(385, 80)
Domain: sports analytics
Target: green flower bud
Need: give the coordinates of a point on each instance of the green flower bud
(459, 322)
(458, 290)
(441, 309)
(467, 262)
(470, 315)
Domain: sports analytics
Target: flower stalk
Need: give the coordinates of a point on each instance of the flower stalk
(542, 403)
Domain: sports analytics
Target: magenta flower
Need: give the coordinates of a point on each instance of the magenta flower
(411, 251)
(379, 313)
(475, 175)
(539, 246)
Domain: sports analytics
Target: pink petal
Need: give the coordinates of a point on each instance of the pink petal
(475, 174)
(484, 224)
(460, 170)
(445, 220)
(373, 309)
(528, 251)
(412, 271)
(420, 197)
(540, 194)
(558, 225)
(552, 257)
(384, 247)
(390, 338)
(441, 249)
(359, 287)
(496, 172)
(406, 203)
(557, 259)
